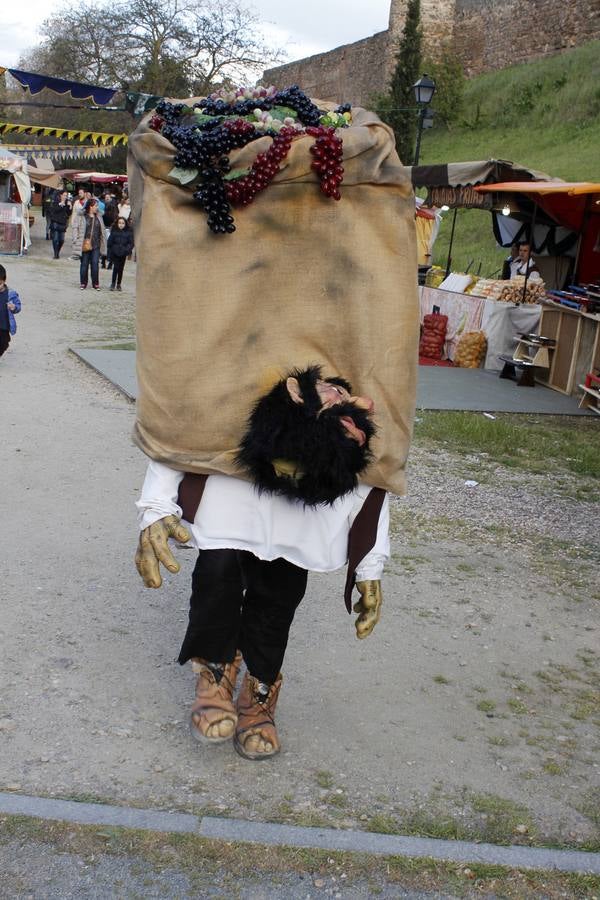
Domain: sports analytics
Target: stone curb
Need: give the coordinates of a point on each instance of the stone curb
(397, 845)
(293, 836)
(97, 814)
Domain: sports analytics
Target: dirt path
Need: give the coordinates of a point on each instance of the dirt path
(473, 709)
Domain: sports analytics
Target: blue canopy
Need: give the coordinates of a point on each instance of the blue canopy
(36, 83)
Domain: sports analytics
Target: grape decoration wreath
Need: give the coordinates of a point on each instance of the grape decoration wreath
(205, 133)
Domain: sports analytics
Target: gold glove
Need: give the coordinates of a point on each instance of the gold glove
(368, 607)
(153, 548)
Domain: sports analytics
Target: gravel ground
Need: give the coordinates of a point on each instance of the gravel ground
(473, 709)
(34, 871)
(523, 503)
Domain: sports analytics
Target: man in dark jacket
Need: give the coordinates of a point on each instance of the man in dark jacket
(59, 214)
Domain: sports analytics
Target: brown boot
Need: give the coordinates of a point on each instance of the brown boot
(255, 735)
(213, 715)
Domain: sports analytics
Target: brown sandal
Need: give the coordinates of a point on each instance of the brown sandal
(213, 708)
(256, 736)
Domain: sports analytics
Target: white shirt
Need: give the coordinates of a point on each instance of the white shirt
(233, 515)
(520, 267)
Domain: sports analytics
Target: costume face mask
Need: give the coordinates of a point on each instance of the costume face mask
(308, 438)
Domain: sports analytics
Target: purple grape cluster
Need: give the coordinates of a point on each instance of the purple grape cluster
(205, 146)
(212, 198)
(239, 108)
(296, 99)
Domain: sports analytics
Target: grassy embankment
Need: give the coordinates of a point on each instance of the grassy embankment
(544, 115)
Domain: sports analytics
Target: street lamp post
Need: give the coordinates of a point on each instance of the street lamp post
(424, 90)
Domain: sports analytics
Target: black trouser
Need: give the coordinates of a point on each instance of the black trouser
(241, 602)
(58, 238)
(118, 266)
(89, 260)
(4, 340)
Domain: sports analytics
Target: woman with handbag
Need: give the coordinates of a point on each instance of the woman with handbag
(94, 243)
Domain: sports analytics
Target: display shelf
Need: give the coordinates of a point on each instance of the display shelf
(590, 399)
(577, 352)
(536, 352)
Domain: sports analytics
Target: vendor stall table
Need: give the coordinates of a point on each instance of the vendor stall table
(498, 320)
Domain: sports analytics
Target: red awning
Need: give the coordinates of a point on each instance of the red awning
(568, 203)
(574, 205)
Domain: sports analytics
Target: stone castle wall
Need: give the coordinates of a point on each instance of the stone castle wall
(490, 35)
(484, 34)
(350, 74)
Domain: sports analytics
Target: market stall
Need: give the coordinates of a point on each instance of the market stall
(560, 221)
(57, 177)
(15, 195)
(569, 317)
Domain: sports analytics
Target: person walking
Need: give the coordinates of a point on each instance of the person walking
(59, 214)
(48, 197)
(120, 245)
(9, 305)
(77, 223)
(94, 243)
(109, 217)
(125, 207)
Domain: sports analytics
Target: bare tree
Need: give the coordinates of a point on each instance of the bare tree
(157, 46)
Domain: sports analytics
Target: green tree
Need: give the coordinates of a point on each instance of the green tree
(395, 107)
(447, 72)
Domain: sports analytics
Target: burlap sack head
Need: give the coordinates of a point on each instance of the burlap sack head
(304, 280)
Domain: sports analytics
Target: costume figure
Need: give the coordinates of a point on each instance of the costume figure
(257, 542)
(260, 300)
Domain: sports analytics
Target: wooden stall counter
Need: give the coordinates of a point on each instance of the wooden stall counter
(577, 336)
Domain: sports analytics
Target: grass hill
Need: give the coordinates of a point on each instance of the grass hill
(544, 114)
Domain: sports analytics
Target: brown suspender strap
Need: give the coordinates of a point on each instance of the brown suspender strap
(362, 537)
(190, 493)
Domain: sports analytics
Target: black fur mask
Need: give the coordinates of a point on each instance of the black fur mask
(316, 460)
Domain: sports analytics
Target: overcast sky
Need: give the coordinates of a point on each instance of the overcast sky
(303, 27)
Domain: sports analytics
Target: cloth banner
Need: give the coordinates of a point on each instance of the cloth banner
(98, 137)
(35, 83)
(57, 151)
(303, 280)
(458, 198)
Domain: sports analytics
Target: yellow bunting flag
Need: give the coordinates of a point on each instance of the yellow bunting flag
(100, 138)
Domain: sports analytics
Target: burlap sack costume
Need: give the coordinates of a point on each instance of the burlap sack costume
(304, 280)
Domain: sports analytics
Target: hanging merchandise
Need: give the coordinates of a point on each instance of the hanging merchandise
(35, 83)
(98, 137)
(57, 151)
